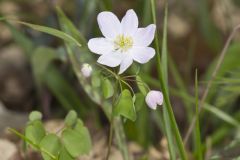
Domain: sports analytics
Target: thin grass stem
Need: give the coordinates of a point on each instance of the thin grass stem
(163, 84)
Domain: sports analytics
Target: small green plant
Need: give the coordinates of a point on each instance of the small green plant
(123, 98)
(123, 43)
(71, 141)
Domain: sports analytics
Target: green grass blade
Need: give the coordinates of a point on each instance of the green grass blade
(164, 45)
(21, 39)
(51, 31)
(222, 115)
(45, 72)
(69, 27)
(197, 132)
(167, 125)
(210, 108)
(163, 84)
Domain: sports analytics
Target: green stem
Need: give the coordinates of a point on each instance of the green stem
(32, 143)
(173, 122)
(197, 133)
(117, 126)
(111, 122)
(121, 138)
(110, 137)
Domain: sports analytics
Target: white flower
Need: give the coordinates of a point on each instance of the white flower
(154, 98)
(86, 70)
(123, 42)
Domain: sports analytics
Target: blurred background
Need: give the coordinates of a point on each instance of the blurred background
(197, 32)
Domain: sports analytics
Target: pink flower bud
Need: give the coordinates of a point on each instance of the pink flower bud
(154, 98)
(86, 70)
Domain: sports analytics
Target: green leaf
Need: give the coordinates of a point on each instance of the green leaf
(170, 126)
(35, 131)
(107, 88)
(24, 138)
(95, 80)
(90, 9)
(68, 27)
(51, 31)
(77, 141)
(64, 155)
(36, 146)
(141, 85)
(125, 106)
(35, 115)
(140, 101)
(83, 131)
(51, 144)
(71, 118)
(45, 73)
(21, 39)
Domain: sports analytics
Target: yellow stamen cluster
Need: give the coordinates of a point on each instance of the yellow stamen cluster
(123, 43)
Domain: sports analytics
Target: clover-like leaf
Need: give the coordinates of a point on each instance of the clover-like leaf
(125, 106)
(107, 88)
(77, 141)
(141, 85)
(71, 118)
(50, 144)
(35, 131)
(64, 155)
(35, 115)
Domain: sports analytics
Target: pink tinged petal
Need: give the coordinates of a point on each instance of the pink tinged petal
(144, 36)
(154, 98)
(100, 46)
(125, 64)
(109, 24)
(129, 23)
(142, 54)
(112, 59)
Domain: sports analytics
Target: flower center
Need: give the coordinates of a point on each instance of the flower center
(123, 43)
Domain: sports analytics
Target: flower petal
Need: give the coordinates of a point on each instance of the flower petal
(112, 59)
(109, 24)
(144, 36)
(129, 23)
(125, 64)
(154, 98)
(86, 70)
(142, 54)
(100, 46)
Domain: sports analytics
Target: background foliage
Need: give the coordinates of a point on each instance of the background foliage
(46, 70)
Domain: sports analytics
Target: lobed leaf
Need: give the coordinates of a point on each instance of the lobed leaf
(50, 143)
(125, 106)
